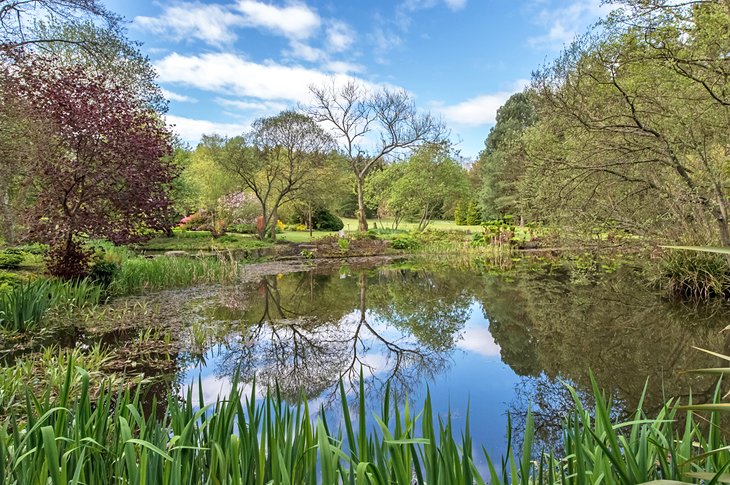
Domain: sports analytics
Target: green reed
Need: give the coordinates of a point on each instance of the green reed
(138, 275)
(68, 438)
(23, 307)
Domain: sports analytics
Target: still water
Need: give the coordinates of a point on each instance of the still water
(490, 344)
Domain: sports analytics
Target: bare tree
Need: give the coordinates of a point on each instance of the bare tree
(17, 17)
(371, 127)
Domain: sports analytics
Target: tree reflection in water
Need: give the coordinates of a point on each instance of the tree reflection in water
(554, 331)
(405, 327)
(307, 331)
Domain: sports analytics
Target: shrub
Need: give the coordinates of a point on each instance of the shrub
(344, 245)
(460, 214)
(243, 228)
(371, 235)
(228, 239)
(10, 260)
(200, 221)
(34, 248)
(473, 215)
(324, 220)
(8, 281)
(307, 254)
(404, 243)
(219, 228)
(103, 269)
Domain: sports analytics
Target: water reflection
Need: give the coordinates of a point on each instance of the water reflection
(306, 331)
(502, 342)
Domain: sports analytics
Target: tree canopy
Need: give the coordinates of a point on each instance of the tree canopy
(103, 170)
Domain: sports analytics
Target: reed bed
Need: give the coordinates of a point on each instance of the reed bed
(71, 439)
(23, 307)
(139, 275)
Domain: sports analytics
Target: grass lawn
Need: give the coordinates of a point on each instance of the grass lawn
(302, 236)
(351, 225)
(203, 241)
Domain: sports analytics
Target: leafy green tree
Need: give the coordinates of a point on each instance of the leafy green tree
(473, 215)
(278, 161)
(423, 186)
(182, 191)
(502, 163)
(207, 178)
(379, 193)
(460, 213)
(633, 125)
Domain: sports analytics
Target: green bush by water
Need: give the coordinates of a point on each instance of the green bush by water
(693, 273)
(70, 438)
(9, 260)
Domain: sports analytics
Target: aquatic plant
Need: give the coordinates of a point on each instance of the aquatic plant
(43, 374)
(69, 437)
(138, 275)
(699, 272)
(23, 307)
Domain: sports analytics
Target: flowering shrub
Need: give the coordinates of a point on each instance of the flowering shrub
(239, 208)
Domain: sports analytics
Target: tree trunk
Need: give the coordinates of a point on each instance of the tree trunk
(261, 222)
(424, 219)
(8, 219)
(362, 221)
(724, 232)
(274, 221)
(310, 220)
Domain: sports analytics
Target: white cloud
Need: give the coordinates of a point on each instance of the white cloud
(456, 4)
(234, 76)
(479, 340)
(296, 20)
(211, 23)
(479, 110)
(216, 23)
(190, 130)
(178, 97)
(248, 105)
(301, 50)
(565, 22)
(342, 67)
(339, 36)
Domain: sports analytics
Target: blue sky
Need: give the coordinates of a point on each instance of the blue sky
(224, 63)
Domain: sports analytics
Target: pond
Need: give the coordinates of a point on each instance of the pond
(479, 342)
